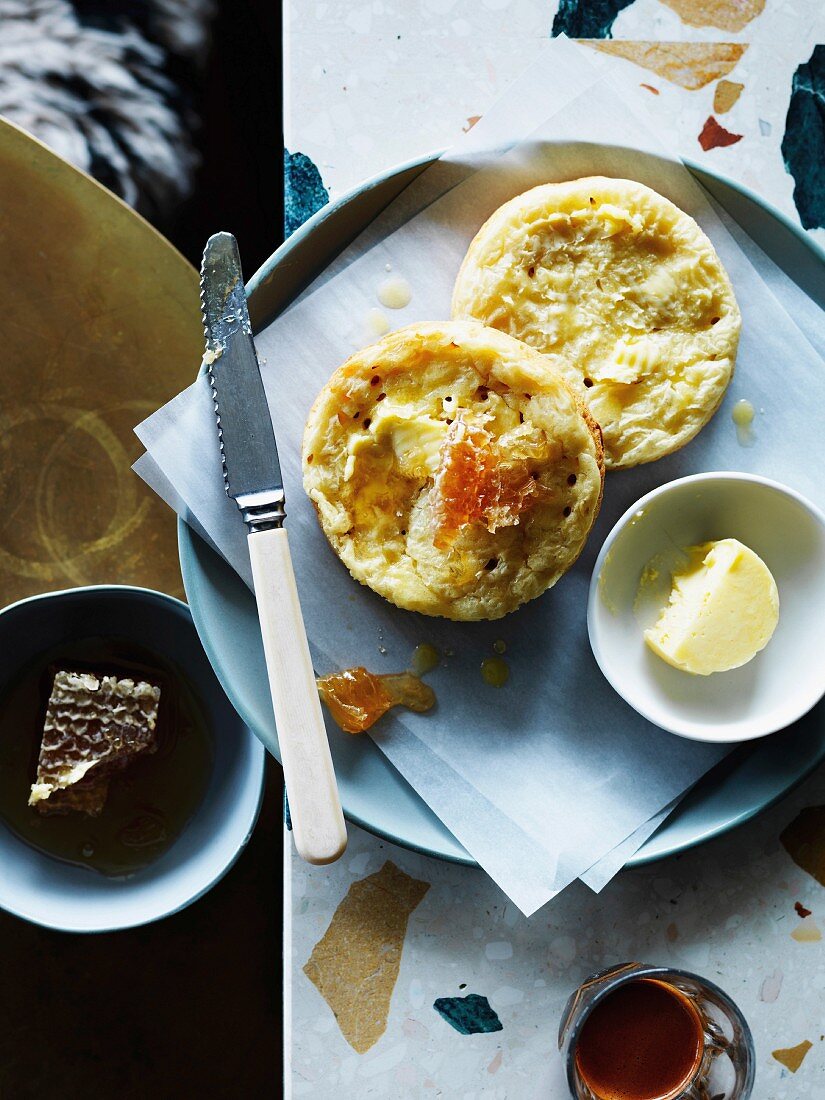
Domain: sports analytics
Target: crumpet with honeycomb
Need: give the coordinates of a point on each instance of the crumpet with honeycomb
(453, 469)
(624, 285)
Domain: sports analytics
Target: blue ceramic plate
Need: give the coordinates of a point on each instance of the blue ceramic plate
(373, 793)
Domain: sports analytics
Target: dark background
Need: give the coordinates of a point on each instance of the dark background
(239, 187)
(191, 1006)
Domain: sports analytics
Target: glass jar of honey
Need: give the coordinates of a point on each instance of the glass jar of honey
(641, 1032)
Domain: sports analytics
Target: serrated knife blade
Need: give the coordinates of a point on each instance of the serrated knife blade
(252, 477)
(251, 470)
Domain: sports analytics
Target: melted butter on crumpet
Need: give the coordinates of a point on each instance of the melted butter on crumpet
(624, 285)
(453, 469)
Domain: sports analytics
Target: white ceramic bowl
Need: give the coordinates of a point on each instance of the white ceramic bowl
(782, 682)
(76, 899)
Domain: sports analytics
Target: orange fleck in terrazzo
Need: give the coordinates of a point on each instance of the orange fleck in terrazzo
(792, 1057)
(715, 136)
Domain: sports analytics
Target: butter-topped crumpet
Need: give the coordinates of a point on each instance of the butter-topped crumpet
(453, 469)
(628, 289)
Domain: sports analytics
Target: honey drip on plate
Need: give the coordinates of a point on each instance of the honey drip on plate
(475, 483)
(357, 698)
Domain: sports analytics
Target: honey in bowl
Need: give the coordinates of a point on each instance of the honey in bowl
(642, 1041)
(148, 804)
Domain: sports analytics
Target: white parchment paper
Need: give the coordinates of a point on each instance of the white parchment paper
(553, 776)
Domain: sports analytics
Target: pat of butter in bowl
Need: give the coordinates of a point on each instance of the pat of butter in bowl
(723, 609)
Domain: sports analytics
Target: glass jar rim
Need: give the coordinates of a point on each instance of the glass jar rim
(621, 974)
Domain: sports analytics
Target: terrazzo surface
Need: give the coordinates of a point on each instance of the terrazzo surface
(729, 910)
(408, 977)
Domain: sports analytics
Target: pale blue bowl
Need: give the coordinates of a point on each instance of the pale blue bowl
(373, 793)
(58, 895)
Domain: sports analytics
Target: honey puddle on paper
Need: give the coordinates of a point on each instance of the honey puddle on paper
(742, 416)
(378, 324)
(395, 293)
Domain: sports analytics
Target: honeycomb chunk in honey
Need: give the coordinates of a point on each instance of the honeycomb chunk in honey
(357, 698)
(95, 726)
(476, 484)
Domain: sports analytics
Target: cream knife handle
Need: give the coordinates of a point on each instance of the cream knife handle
(317, 821)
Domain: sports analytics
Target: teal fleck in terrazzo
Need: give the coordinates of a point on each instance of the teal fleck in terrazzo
(304, 190)
(470, 1015)
(803, 146)
(587, 18)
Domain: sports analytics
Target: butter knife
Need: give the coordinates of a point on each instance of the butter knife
(252, 478)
